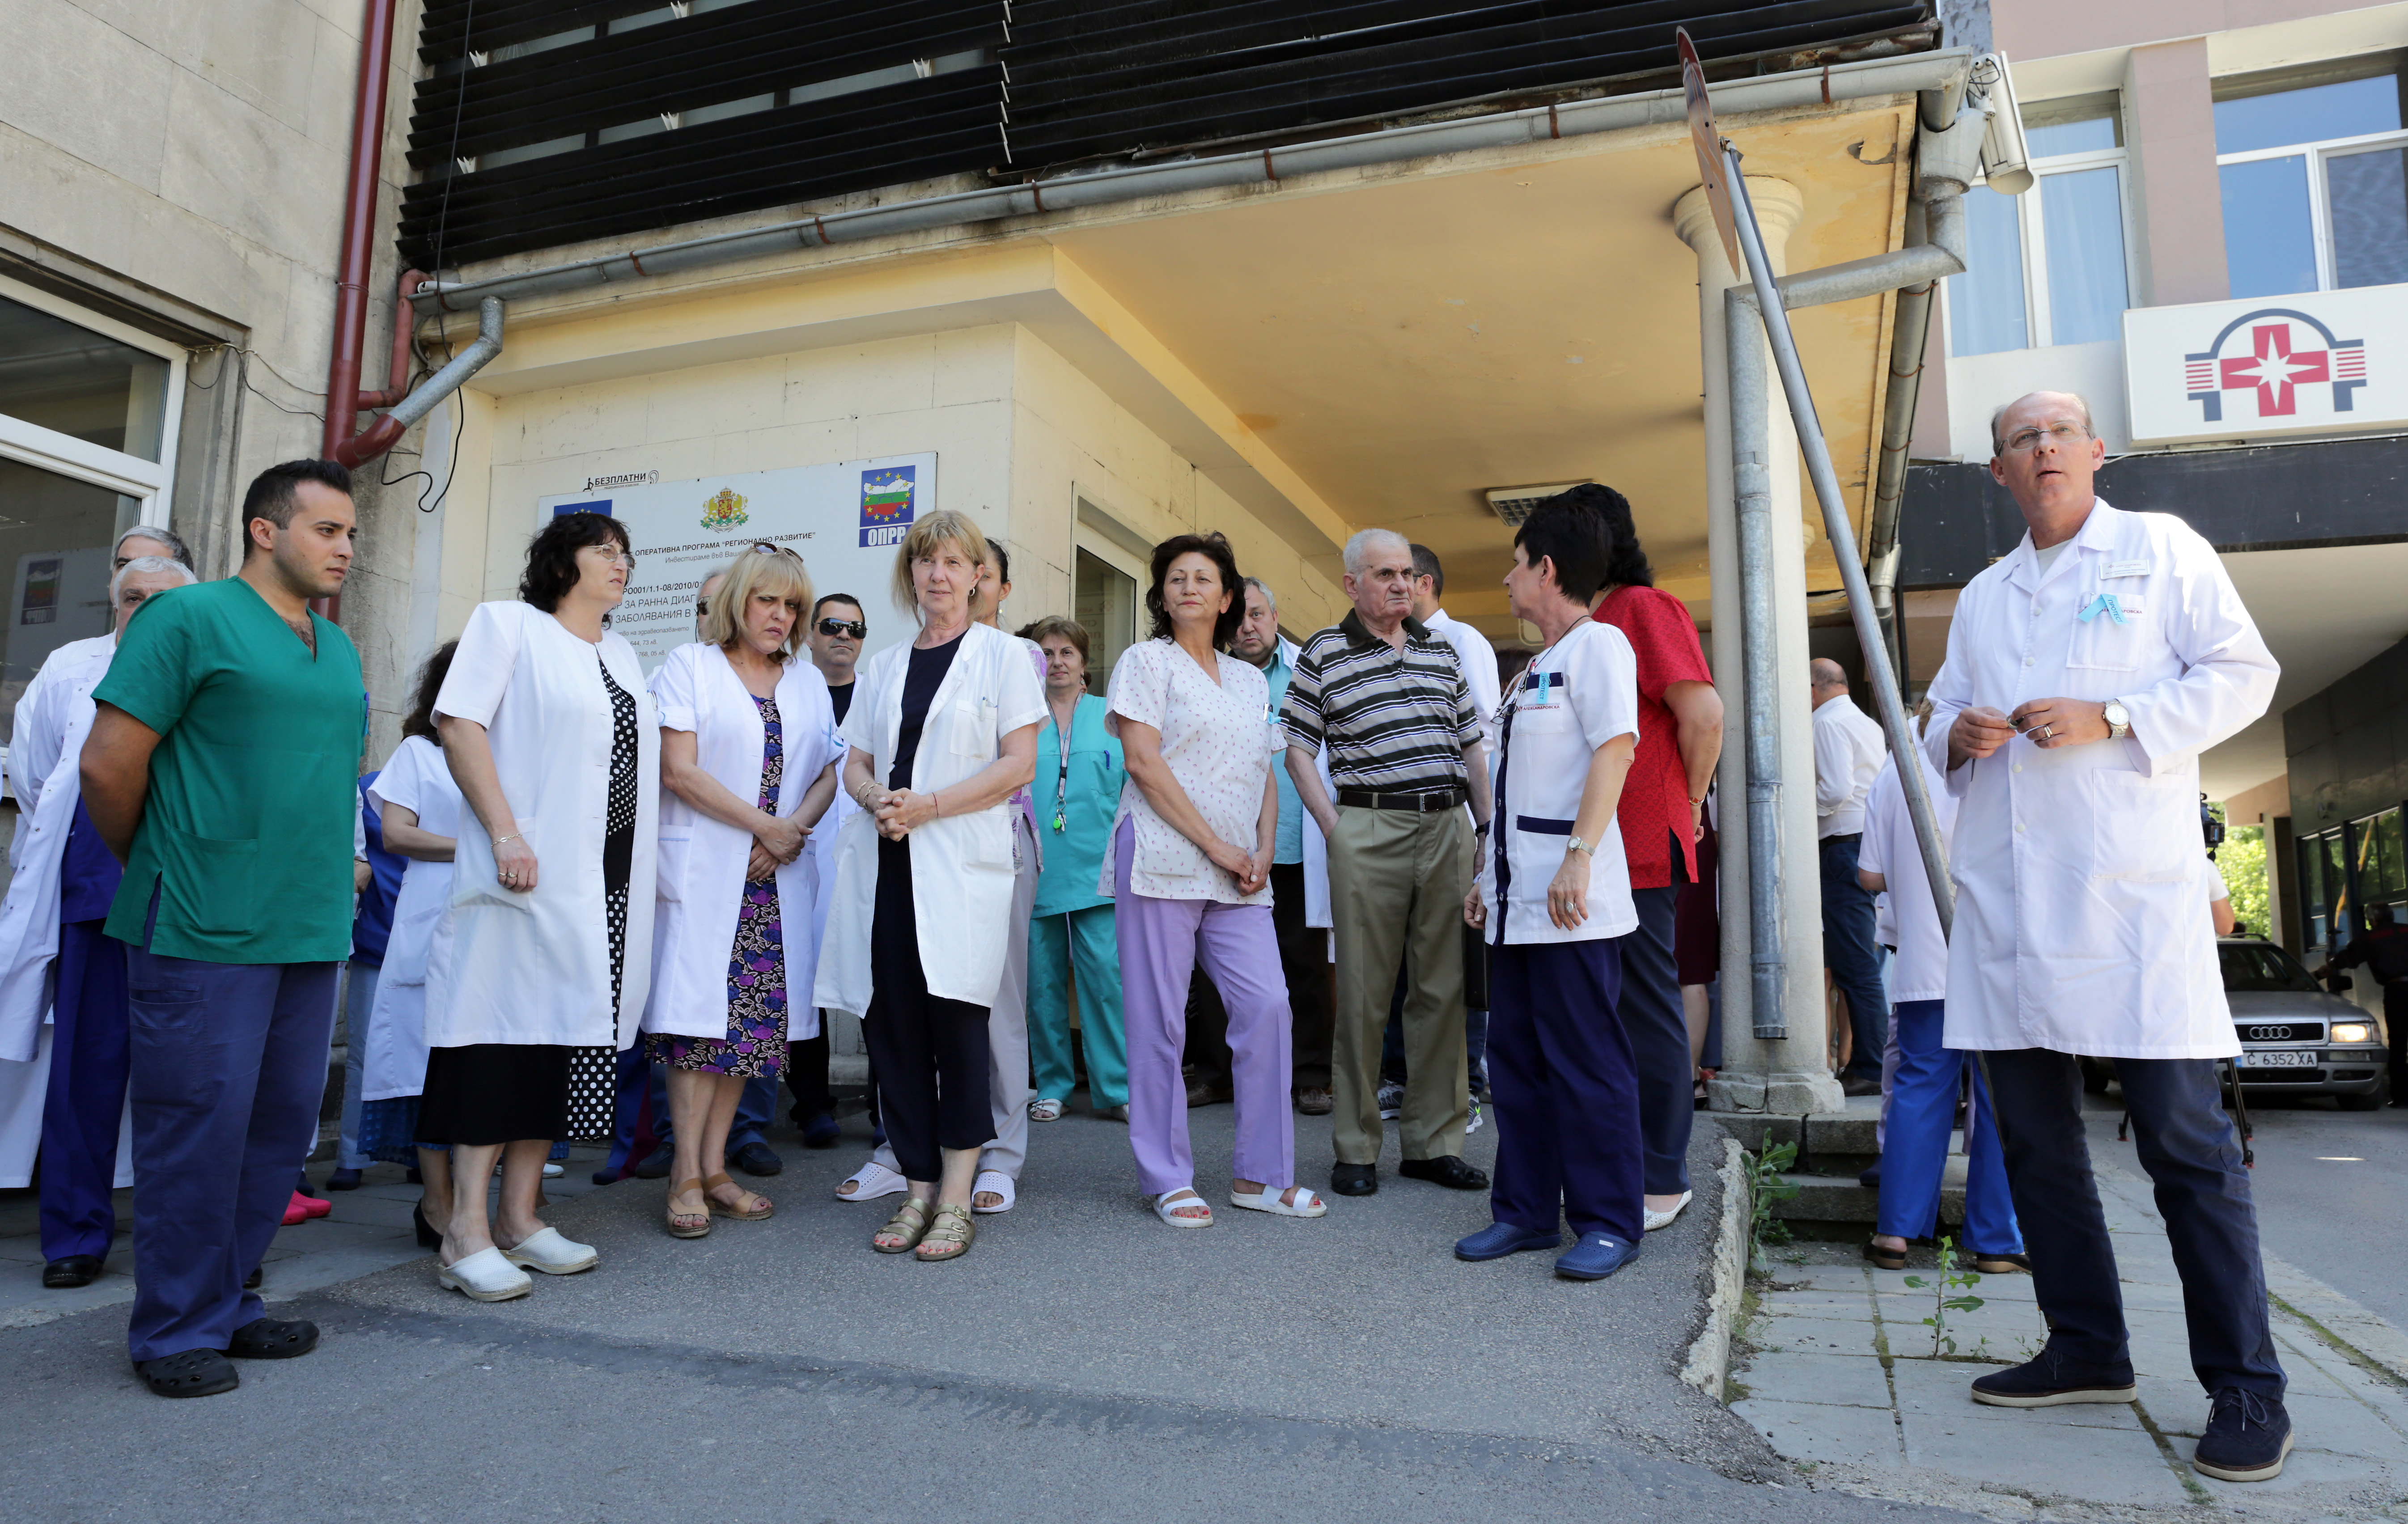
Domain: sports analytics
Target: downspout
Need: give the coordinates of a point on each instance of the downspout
(359, 227)
(382, 434)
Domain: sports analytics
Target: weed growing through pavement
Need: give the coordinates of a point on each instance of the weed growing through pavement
(1951, 1278)
(1765, 1188)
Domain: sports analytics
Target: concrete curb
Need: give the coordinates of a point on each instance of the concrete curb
(2339, 1320)
(1708, 1364)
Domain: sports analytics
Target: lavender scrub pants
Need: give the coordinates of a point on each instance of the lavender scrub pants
(1161, 942)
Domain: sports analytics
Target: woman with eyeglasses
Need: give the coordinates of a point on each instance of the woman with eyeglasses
(747, 757)
(943, 731)
(540, 967)
(1078, 777)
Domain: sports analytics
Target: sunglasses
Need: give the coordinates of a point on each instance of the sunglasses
(857, 629)
(768, 549)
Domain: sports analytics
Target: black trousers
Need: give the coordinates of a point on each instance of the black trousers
(929, 1053)
(1304, 961)
(2395, 1025)
(807, 1074)
(1659, 1039)
(2193, 1156)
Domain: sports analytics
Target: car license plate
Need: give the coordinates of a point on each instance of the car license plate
(2300, 1059)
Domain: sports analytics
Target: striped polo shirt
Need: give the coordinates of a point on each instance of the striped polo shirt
(1395, 719)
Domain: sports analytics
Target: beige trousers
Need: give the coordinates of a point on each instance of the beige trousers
(1396, 882)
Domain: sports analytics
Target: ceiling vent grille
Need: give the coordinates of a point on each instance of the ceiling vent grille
(1513, 504)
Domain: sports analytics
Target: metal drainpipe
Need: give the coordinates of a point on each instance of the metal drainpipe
(359, 234)
(1908, 345)
(382, 434)
(1759, 652)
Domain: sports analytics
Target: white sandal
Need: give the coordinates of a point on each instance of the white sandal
(1167, 1209)
(871, 1181)
(1047, 1110)
(999, 1183)
(484, 1276)
(1306, 1204)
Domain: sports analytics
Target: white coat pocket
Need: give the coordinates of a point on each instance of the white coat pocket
(674, 851)
(1549, 719)
(972, 731)
(2103, 644)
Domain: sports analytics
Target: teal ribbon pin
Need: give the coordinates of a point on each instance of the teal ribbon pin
(2104, 604)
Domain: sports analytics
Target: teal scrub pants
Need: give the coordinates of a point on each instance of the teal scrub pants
(1081, 940)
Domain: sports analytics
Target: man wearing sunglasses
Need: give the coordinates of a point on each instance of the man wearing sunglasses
(834, 638)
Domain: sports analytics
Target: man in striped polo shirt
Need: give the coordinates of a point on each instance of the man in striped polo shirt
(1388, 695)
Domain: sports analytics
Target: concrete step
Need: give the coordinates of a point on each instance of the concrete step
(1838, 1198)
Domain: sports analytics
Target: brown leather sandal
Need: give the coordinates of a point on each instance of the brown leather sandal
(909, 1224)
(761, 1205)
(688, 1224)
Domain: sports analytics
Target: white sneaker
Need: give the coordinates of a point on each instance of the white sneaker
(1392, 1101)
(1478, 1118)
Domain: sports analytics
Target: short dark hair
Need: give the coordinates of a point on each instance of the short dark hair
(274, 492)
(828, 598)
(430, 683)
(551, 555)
(1426, 563)
(1002, 562)
(1574, 533)
(1215, 548)
(1626, 564)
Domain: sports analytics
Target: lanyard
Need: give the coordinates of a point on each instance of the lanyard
(1062, 775)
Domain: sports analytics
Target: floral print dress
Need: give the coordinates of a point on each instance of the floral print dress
(755, 1045)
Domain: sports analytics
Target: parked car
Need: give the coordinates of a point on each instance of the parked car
(2296, 1038)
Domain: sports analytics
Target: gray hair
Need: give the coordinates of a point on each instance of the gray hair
(148, 566)
(157, 533)
(1363, 541)
(2081, 404)
(1262, 586)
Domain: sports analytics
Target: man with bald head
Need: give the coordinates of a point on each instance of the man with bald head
(2086, 671)
(1848, 758)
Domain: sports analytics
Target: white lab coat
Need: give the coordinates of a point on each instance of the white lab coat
(1316, 846)
(1910, 920)
(392, 1059)
(963, 868)
(535, 967)
(1479, 660)
(703, 861)
(2078, 924)
(53, 716)
(822, 849)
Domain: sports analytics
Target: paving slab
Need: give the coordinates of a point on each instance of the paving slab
(2090, 1464)
(1816, 1432)
(1843, 1380)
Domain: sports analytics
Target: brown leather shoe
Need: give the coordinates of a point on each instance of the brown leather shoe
(1203, 1092)
(1315, 1101)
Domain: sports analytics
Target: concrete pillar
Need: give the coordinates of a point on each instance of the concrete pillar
(2177, 194)
(1788, 1075)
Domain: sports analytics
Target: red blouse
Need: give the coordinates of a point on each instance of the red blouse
(1655, 809)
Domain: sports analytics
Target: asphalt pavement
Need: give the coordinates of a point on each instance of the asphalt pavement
(1083, 1359)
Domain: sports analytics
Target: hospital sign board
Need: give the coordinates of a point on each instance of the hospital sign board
(2332, 362)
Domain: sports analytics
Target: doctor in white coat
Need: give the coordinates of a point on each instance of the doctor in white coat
(63, 1016)
(942, 731)
(2085, 673)
(542, 966)
(748, 765)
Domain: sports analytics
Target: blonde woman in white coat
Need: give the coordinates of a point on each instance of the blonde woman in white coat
(544, 960)
(747, 763)
(942, 731)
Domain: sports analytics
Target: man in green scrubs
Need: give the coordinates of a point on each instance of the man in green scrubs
(220, 771)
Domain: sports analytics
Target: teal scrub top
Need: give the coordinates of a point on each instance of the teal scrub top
(1288, 845)
(1085, 796)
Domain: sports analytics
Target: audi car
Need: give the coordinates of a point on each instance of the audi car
(2296, 1039)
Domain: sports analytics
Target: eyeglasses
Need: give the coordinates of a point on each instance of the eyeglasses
(857, 629)
(2063, 434)
(768, 549)
(612, 556)
(702, 606)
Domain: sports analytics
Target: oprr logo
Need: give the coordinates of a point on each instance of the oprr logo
(886, 495)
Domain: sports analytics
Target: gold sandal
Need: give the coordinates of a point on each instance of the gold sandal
(688, 1224)
(761, 1208)
(953, 1228)
(909, 1223)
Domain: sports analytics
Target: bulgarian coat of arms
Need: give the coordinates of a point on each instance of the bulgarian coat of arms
(724, 509)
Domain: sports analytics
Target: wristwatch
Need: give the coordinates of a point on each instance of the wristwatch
(2119, 720)
(1573, 844)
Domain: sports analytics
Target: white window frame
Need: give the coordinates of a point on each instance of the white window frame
(2032, 240)
(150, 483)
(2319, 201)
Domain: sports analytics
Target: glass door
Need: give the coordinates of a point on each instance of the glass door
(1104, 598)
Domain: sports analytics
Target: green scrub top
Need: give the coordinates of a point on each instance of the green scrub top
(1089, 795)
(247, 832)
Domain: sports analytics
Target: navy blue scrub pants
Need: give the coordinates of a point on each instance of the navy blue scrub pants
(229, 1071)
(85, 1102)
(1650, 1008)
(1915, 1146)
(1849, 953)
(1565, 1088)
(2187, 1144)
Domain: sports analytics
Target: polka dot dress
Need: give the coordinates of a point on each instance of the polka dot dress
(592, 1071)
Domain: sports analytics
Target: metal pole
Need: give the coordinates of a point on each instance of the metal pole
(1760, 652)
(1886, 698)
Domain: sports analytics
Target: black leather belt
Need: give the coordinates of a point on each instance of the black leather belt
(1417, 804)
